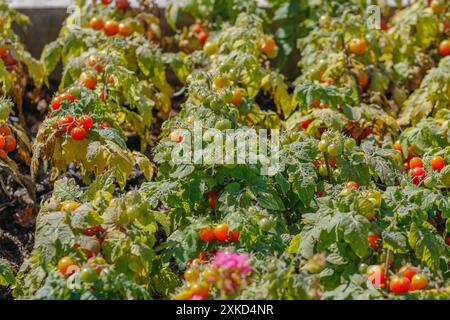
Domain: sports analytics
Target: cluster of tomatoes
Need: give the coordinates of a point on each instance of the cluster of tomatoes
(8, 142)
(331, 149)
(200, 31)
(7, 58)
(78, 128)
(219, 232)
(407, 279)
(112, 27)
(200, 276)
(415, 166)
(67, 266)
(198, 282)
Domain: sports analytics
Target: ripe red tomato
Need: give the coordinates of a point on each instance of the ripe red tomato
(10, 143)
(419, 282)
(64, 264)
(78, 133)
(320, 194)
(85, 121)
(437, 163)
(357, 46)
(352, 185)
(234, 235)
(56, 103)
(384, 25)
(212, 200)
(96, 23)
(202, 37)
(111, 28)
(408, 271)
(2, 141)
(105, 124)
(122, 4)
(418, 175)
(266, 45)
(89, 232)
(363, 80)
(415, 162)
(444, 48)
(375, 275)
(2, 154)
(126, 29)
(305, 124)
(399, 285)
(373, 241)
(67, 97)
(206, 234)
(4, 131)
(221, 232)
(66, 123)
(88, 80)
(106, 2)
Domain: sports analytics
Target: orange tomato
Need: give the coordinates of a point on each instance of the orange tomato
(221, 232)
(207, 234)
(357, 46)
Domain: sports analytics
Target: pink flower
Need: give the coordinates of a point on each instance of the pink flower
(196, 297)
(232, 262)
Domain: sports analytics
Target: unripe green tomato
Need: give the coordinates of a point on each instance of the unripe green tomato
(374, 202)
(323, 170)
(324, 136)
(216, 105)
(430, 182)
(133, 211)
(226, 96)
(335, 149)
(75, 92)
(88, 275)
(362, 268)
(349, 143)
(266, 224)
(223, 124)
(210, 48)
(365, 206)
(244, 108)
(323, 146)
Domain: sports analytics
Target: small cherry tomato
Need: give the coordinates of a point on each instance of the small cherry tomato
(221, 232)
(415, 162)
(437, 163)
(206, 234)
(399, 285)
(10, 143)
(78, 133)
